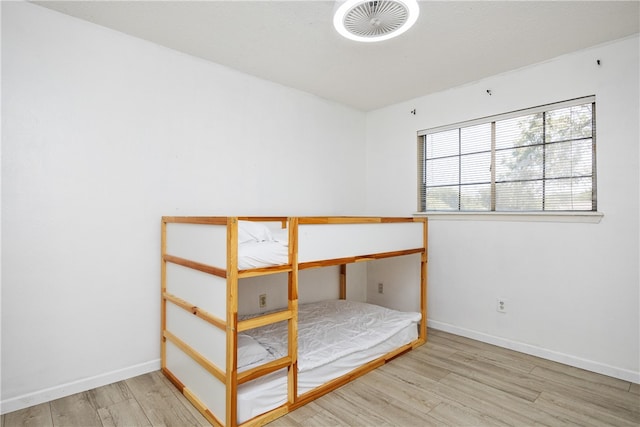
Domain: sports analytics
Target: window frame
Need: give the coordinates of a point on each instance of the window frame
(582, 215)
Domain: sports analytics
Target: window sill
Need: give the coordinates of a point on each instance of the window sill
(583, 217)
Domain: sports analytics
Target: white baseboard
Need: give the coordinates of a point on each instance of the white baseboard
(567, 359)
(49, 394)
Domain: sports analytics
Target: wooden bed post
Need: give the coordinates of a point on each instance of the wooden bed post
(423, 281)
(232, 323)
(292, 375)
(163, 290)
(343, 281)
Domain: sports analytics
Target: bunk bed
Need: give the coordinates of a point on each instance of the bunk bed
(250, 369)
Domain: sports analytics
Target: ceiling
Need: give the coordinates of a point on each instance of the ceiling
(293, 42)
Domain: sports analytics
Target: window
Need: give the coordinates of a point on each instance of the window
(534, 160)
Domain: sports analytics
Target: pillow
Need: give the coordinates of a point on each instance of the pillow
(250, 231)
(250, 351)
(281, 235)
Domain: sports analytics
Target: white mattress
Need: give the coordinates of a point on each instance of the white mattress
(259, 246)
(334, 337)
(262, 254)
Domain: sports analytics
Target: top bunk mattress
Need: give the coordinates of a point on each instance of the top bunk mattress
(262, 246)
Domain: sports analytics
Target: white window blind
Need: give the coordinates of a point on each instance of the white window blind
(539, 159)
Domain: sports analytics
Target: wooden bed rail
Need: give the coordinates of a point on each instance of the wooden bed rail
(222, 220)
(262, 370)
(195, 310)
(359, 258)
(268, 319)
(353, 220)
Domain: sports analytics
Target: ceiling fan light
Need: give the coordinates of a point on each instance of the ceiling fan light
(375, 20)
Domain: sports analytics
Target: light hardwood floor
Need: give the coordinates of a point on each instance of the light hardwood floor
(450, 381)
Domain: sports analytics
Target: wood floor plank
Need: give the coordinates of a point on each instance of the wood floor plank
(200, 419)
(500, 356)
(159, 403)
(75, 410)
(476, 367)
(472, 399)
(457, 415)
(415, 363)
(419, 398)
(381, 409)
(460, 342)
(634, 388)
(350, 410)
(110, 394)
(35, 416)
(391, 406)
(509, 405)
(587, 385)
(583, 379)
(576, 411)
(289, 422)
(436, 348)
(533, 360)
(321, 419)
(303, 416)
(125, 413)
(598, 394)
(313, 415)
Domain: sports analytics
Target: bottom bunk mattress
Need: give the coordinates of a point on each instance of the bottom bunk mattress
(334, 337)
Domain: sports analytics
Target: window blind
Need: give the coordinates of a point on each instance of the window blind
(539, 159)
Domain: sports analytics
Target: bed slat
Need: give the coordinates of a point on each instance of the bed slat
(256, 322)
(359, 258)
(210, 220)
(262, 370)
(204, 315)
(202, 361)
(196, 265)
(351, 220)
(243, 274)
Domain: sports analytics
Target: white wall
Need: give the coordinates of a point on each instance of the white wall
(104, 133)
(572, 288)
(315, 284)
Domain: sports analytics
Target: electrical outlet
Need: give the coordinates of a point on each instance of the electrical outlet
(380, 288)
(501, 305)
(262, 300)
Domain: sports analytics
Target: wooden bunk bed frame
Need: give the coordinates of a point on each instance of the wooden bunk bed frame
(229, 325)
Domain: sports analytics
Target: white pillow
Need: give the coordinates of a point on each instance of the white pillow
(281, 235)
(250, 231)
(250, 351)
